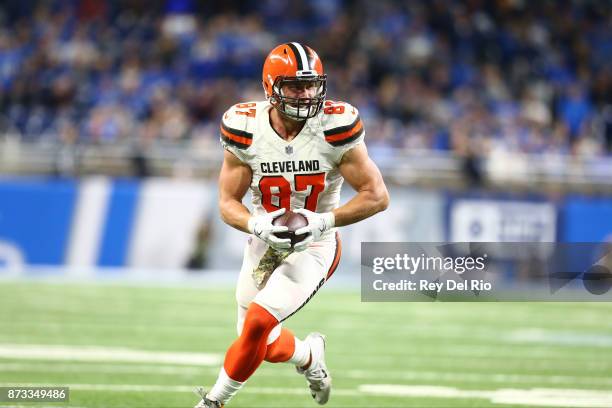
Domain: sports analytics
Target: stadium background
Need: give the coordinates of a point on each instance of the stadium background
(490, 120)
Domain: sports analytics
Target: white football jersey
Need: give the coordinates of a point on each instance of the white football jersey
(302, 173)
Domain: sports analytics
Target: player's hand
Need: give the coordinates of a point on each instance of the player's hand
(261, 226)
(318, 224)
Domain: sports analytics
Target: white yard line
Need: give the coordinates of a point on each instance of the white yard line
(560, 338)
(540, 397)
(178, 388)
(106, 369)
(466, 362)
(389, 375)
(105, 354)
(486, 352)
(468, 377)
(123, 325)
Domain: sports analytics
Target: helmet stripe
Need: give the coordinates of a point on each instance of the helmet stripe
(300, 55)
(311, 58)
(296, 55)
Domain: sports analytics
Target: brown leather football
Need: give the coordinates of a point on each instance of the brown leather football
(293, 221)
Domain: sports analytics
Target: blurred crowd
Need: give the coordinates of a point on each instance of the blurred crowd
(473, 76)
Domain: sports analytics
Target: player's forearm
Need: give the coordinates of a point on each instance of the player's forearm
(234, 213)
(365, 204)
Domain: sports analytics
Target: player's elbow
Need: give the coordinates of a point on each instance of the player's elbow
(384, 200)
(225, 216)
(225, 211)
(381, 198)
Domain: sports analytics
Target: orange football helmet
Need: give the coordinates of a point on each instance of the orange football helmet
(294, 64)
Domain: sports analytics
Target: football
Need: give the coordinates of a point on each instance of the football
(293, 221)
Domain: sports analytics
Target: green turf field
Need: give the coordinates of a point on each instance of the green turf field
(126, 346)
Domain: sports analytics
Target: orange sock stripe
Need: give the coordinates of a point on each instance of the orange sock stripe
(248, 351)
(281, 349)
(337, 255)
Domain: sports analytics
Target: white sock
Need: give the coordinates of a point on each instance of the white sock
(225, 388)
(301, 355)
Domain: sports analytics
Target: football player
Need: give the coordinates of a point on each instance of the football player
(292, 151)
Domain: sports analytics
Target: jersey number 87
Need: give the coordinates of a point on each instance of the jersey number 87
(278, 186)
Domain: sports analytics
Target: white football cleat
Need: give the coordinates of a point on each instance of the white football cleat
(317, 374)
(206, 403)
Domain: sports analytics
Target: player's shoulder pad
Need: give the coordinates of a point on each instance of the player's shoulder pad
(238, 124)
(341, 123)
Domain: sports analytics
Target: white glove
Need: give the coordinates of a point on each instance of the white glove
(318, 224)
(261, 226)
